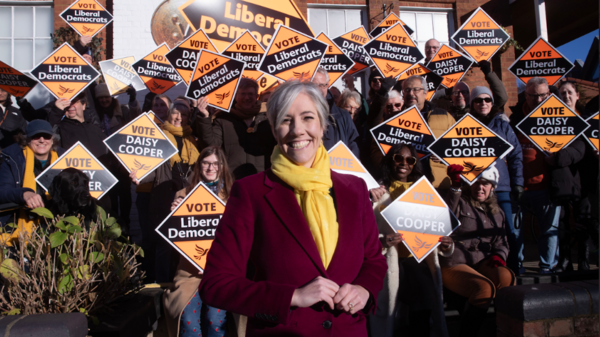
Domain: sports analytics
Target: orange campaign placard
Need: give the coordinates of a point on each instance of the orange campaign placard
(78, 157)
(389, 21)
(15, 82)
(184, 56)
(591, 134)
(352, 44)
(450, 64)
(141, 146)
(335, 61)
(342, 160)
(393, 51)
(480, 36)
(422, 217)
(159, 122)
(190, 228)
(246, 49)
(407, 127)
(471, 144)
(292, 54)
(433, 80)
(266, 83)
(65, 73)
(216, 77)
(552, 126)
(541, 59)
(156, 71)
(119, 75)
(86, 17)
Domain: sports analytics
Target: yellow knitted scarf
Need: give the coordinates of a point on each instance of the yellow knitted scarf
(311, 187)
(397, 188)
(189, 152)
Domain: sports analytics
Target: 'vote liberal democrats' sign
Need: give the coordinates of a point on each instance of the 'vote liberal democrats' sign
(86, 17)
(541, 59)
(335, 61)
(156, 72)
(480, 36)
(246, 49)
(352, 43)
(389, 21)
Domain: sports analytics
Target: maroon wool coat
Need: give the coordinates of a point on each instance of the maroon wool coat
(264, 230)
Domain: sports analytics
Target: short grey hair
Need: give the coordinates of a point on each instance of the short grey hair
(416, 77)
(535, 81)
(350, 94)
(393, 94)
(323, 72)
(284, 96)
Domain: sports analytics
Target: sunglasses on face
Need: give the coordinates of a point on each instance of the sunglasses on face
(42, 135)
(481, 100)
(376, 79)
(400, 159)
(391, 106)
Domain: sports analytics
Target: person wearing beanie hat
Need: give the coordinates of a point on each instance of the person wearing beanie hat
(477, 91)
(476, 268)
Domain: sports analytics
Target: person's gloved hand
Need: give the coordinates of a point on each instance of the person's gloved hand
(496, 261)
(386, 85)
(517, 192)
(454, 172)
(132, 93)
(485, 66)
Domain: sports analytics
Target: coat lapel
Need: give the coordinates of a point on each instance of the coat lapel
(346, 207)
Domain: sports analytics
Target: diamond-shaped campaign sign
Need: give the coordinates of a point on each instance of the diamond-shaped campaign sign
(422, 217)
(267, 82)
(86, 17)
(335, 61)
(246, 49)
(541, 59)
(141, 146)
(393, 51)
(407, 127)
(471, 144)
(352, 44)
(184, 56)
(433, 80)
(15, 82)
(78, 157)
(65, 73)
(480, 36)
(591, 134)
(191, 227)
(156, 71)
(342, 160)
(119, 75)
(389, 21)
(552, 126)
(450, 64)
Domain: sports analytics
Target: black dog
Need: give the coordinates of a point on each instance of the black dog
(70, 192)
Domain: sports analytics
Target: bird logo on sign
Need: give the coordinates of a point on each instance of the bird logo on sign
(301, 76)
(390, 69)
(420, 244)
(451, 80)
(157, 86)
(86, 30)
(482, 54)
(139, 166)
(550, 145)
(64, 90)
(201, 252)
(470, 167)
(16, 93)
(221, 97)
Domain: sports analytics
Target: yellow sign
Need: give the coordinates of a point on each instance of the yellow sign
(267, 82)
(352, 43)
(119, 75)
(552, 126)
(184, 56)
(86, 17)
(480, 36)
(15, 82)
(591, 134)
(541, 59)
(433, 80)
(156, 71)
(191, 227)
(246, 49)
(335, 61)
(389, 21)
(342, 160)
(65, 73)
(450, 64)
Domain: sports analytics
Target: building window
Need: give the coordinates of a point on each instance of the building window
(25, 35)
(428, 23)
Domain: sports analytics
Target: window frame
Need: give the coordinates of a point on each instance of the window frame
(432, 10)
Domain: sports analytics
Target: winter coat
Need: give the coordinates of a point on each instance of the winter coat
(511, 167)
(341, 127)
(565, 182)
(479, 236)
(11, 124)
(70, 131)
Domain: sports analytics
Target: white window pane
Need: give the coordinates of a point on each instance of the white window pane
(43, 48)
(335, 20)
(24, 54)
(440, 27)
(23, 22)
(318, 20)
(44, 21)
(409, 20)
(5, 50)
(353, 19)
(5, 22)
(424, 26)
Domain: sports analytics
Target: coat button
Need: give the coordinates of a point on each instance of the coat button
(327, 324)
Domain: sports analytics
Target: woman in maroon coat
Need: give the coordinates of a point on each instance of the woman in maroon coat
(297, 250)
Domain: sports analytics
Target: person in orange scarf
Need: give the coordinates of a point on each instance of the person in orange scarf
(22, 162)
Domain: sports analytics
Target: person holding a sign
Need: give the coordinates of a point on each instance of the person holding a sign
(476, 269)
(11, 121)
(431, 48)
(317, 261)
(114, 115)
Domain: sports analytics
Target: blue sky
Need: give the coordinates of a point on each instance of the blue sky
(578, 48)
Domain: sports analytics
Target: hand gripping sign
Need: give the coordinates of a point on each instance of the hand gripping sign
(216, 77)
(352, 43)
(433, 80)
(65, 73)
(541, 59)
(342, 160)
(335, 61)
(422, 217)
(393, 51)
(450, 64)
(101, 180)
(591, 134)
(119, 75)
(15, 82)
(141, 146)
(191, 227)
(552, 126)
(471, 144)
(480, 36)
(292, 54)
(156, 72)
(389, 21)
(407, 127)
(184, 56)
(86, 17)
(246, 49)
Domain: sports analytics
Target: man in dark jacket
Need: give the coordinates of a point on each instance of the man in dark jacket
(341, 127)
(12, 122)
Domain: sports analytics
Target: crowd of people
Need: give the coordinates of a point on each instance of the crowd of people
(301, 249)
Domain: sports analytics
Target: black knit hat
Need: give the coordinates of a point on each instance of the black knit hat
(374, 73)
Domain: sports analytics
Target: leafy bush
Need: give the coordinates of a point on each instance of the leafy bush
(66, 267)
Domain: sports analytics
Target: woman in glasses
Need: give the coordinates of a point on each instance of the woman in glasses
(417, 289)
(511, 168)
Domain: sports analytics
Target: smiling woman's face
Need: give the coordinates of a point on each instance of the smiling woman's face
(299, 135)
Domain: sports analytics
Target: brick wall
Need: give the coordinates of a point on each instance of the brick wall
(559, 327)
